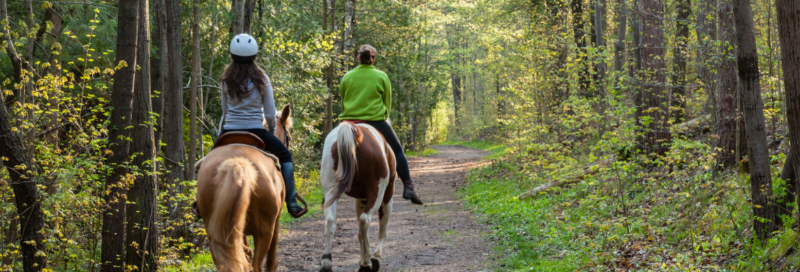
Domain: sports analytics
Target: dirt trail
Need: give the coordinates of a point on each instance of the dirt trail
(439, 236)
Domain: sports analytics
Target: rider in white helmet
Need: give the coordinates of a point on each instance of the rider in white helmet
(247, 102)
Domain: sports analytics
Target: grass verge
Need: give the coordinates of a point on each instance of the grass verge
(632, 215)
(427, 152)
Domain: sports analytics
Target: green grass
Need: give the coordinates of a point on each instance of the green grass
(200, 262)
(498, 149)
(427, 152)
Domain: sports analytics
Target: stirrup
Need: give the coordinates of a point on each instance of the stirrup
(301, 212)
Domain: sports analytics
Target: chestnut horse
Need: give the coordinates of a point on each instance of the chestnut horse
(358, 162)
(240, 192)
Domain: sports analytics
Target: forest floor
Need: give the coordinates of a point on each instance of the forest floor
(442, 235)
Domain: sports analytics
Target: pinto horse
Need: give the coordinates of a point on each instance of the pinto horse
(240, 192)
(358, 161)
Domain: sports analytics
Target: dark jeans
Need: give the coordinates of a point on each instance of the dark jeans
(402, 163)
(273, 145)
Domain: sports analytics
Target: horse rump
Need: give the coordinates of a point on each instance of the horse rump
(235, 180)
(347, 140)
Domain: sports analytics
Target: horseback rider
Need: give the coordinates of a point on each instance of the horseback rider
(367, 98)
(247, 102)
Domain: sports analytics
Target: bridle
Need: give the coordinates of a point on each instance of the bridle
(286, 137)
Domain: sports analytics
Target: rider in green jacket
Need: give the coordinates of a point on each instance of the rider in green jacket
(367, 98)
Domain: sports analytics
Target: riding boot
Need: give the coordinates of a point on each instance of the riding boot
(287, 170)
(409, 193)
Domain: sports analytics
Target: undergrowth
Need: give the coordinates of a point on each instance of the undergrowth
(669, 214)
(427, 152)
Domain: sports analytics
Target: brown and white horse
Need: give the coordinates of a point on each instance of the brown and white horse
(358, 162)
(240, 192)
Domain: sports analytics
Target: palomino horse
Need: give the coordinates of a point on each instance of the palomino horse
(240, 192)
(358, 162)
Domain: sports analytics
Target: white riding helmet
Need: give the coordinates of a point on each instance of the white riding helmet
(244, 48)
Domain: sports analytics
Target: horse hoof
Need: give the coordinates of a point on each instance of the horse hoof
(325, 269)
(364, 269)
(376, 265)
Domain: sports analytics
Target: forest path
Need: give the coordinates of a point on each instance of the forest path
(439, 236)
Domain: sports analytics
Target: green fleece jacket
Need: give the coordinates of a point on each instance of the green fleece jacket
(366, 94)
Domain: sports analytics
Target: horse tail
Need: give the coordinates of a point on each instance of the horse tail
(347, 139)
(235, 180)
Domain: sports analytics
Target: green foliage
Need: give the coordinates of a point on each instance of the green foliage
(427, 152)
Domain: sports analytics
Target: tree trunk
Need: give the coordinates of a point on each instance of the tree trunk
(727, 94)
(753, 108)
(142, 233)
(328, 12)
(347, 39)
(654, 93)
(159, 70)
(678, 100)
(113, 235)
(580, 42)
(193, 97)
(237, 24)
(249, 6)
(173, 118)
(26, 193)
(600, 66)
(622, 28)
(789, 29)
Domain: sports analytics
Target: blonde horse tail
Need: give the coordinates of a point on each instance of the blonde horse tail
(235, 181)
(346, 140)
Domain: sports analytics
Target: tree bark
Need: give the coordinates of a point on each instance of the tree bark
(142, 233)
(789, 29)
(249, 6)
(193, 97)
(580, 43)
(654, 93)
(18, 165)
(753, 108)
(26, 194)
(678, 100)
(622, 28)
(600, 66)
(173, 118)
(237, 25)
(726, 126)
(347, 39)
(159, 70)
(113, 234)
(328, 12)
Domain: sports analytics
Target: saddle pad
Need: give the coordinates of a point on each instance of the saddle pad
(269, 155)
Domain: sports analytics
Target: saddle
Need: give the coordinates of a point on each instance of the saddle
(241, 137)
(245, 138)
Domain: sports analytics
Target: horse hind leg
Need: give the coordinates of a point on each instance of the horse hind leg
(272, 255)
(330, 229)
(367, 263)
(383, 215)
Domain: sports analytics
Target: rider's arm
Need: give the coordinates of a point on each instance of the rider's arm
(269, 105)
(224, 103)
(387, 95)
(342, 89)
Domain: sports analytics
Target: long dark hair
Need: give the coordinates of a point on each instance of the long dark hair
(236, 75)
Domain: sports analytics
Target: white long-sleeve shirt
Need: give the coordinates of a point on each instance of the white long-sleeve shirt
(248, 112)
